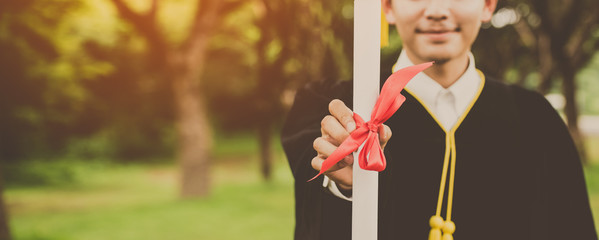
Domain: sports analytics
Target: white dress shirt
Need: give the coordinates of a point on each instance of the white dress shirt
(446, 104)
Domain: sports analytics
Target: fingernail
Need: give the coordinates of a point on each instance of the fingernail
(351, 126)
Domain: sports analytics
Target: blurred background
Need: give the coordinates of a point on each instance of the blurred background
(141, 119)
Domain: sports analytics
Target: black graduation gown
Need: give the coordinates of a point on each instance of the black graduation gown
(518, 175)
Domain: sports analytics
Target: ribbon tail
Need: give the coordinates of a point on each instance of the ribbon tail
(351, 144)
(390, 98)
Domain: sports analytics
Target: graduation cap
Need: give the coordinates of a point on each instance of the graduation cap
(384, 30)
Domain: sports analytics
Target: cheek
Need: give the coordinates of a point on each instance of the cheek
(402, 27)
(468, 13)
(407, 13)
(470, 30)
(469, 22)
(406, 22)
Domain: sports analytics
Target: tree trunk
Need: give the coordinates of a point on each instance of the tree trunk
(264, 139)
(571, 110)
(184, 66)
(4, 225)
(194, 134)
(545, 63)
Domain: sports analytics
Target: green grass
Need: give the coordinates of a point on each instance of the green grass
(141, 202)
(131, 202)
(140, 211)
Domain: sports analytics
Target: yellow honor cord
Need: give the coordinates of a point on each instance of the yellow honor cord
(443, 175)
(449, 227)
(436, 222)
(444, 229)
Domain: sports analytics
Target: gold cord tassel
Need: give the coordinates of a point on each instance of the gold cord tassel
(436, 223)
(448, 230)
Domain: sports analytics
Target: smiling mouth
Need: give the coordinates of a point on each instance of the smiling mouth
(437, 35)
(437, 31)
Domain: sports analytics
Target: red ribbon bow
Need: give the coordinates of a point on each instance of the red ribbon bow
(390, 99)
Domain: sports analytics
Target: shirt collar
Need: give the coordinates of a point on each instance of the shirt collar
(427, 89)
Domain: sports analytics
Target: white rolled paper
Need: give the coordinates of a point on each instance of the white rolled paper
(367, 21)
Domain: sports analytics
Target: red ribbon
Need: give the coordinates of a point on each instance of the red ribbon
(390, 99)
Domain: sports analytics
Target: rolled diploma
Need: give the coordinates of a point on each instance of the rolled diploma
(367, 17)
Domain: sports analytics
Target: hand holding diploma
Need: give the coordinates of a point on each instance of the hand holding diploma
(341, 136)
(335, 128)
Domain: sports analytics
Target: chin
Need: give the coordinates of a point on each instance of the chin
(439, 55)
(438, 58)
(439, 61)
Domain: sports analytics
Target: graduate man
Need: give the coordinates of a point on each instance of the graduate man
(471, 157)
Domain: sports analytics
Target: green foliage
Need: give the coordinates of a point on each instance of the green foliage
(79, 82)
(272, 48)
(49, 173)
(543, 47)
(75, 83)
(592, 170)
(592, 178)
(588, 85)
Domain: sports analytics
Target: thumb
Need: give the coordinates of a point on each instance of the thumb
(384, 135)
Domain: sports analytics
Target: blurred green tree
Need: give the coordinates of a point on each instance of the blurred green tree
(61, 97)
(572, 28)
(129, 113)
(552, 39)
(68, 90)
(289, 43)
(183, 64)
(30, 104)
(24, 107)
(310, 41)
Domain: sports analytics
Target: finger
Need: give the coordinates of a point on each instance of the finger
(323, 147)
(331, 127)
(384, 135)
(326, 136)
(317, 162)
(345, 116)
(342, 177)
(346, 162)
(342, 165)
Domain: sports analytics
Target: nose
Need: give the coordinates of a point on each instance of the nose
(437, 10)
